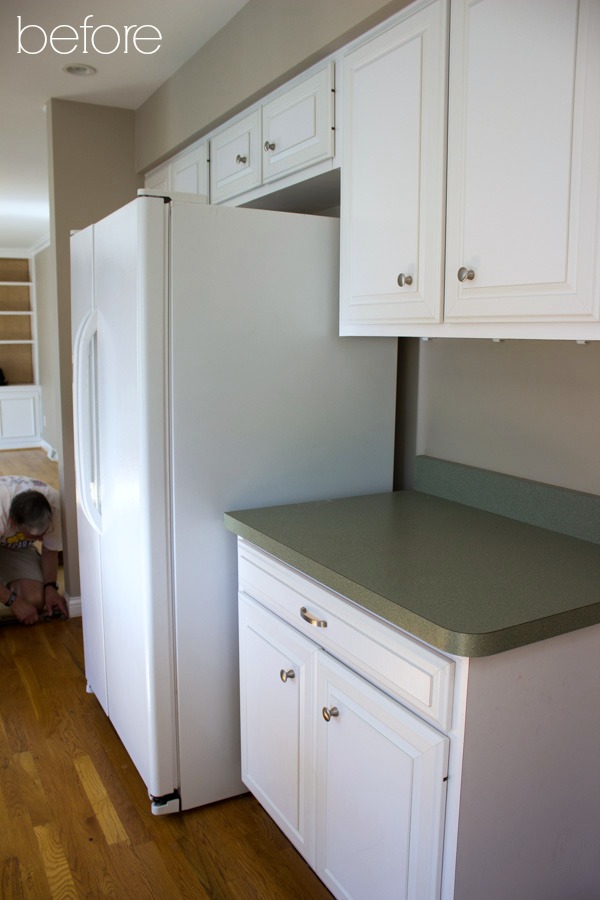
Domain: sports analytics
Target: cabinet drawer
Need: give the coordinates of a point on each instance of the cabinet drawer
(403, 666)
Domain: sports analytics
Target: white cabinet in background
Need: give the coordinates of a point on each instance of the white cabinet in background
(298, 125)
(523, 149)
(235, 158)
(19, 426)
(355, 780)
(394, 93)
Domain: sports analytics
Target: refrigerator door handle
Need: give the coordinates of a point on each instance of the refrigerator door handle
(85, 420)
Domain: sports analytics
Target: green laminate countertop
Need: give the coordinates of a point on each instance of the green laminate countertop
(469, 582)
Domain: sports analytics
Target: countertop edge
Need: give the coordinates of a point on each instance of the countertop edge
(455, 643)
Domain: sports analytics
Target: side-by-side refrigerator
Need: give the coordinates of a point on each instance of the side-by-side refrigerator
(208, 376)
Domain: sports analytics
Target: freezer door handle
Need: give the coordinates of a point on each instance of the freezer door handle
(85, 420)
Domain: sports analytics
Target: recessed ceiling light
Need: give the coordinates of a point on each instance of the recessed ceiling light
(79, 69)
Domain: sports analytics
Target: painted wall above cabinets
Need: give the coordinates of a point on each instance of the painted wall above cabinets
(521, 206)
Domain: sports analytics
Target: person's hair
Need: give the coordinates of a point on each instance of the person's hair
(30, 510)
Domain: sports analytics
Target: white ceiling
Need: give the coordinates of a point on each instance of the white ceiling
(27, 81)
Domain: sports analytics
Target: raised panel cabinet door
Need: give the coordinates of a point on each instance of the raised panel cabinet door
(235, 159)
(523, 147)
(18, 418)
(159, 180)
(393, 163)
(297, 126)
(381, 792)
(276, 682)
(189, 173)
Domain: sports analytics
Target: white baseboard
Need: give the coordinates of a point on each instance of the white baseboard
(74, 606)
(49, 450)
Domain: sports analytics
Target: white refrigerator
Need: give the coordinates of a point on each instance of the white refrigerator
(208, 376)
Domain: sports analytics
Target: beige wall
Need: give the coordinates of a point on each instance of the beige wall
(92, 173)
(525, 408)
(47, 334)
(268, 42)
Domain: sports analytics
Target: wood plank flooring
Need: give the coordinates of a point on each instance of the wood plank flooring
(75, 818)
(32, 463)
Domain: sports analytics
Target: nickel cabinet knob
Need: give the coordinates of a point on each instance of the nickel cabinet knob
(269, 146)
(241, 159)
(285, 675)
(404, 279)
(329, 714)
(465, 274)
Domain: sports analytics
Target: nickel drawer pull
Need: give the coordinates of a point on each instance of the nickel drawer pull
(312, 620)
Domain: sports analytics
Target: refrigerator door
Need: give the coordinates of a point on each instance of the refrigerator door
(129, 288)
(269, 406)
(84, 326)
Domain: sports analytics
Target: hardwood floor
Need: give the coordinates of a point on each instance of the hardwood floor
(75, 818)
(33, 463)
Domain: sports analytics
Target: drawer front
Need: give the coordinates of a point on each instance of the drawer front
(398, 663)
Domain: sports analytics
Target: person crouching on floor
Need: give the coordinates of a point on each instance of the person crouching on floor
(30, 512)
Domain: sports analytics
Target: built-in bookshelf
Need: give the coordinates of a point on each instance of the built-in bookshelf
(19, 391)
(17, 322)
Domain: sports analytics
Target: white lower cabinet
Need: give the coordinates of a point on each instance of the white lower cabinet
(403, 773)
(355, 780)
(380, 791)
(19, 416)
(277, 674)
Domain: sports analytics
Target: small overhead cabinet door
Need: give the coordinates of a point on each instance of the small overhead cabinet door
(523, 150)
(297, 126)
(186, 174)
(189, 172)
(235, 159)
(393, 165)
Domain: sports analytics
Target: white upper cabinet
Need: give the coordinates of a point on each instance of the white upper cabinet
(189, 172)
(523, 150)
(186, 173)
(297, 125)
(394, 96)
(235, 158)
(159, 179)
(522, 212)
